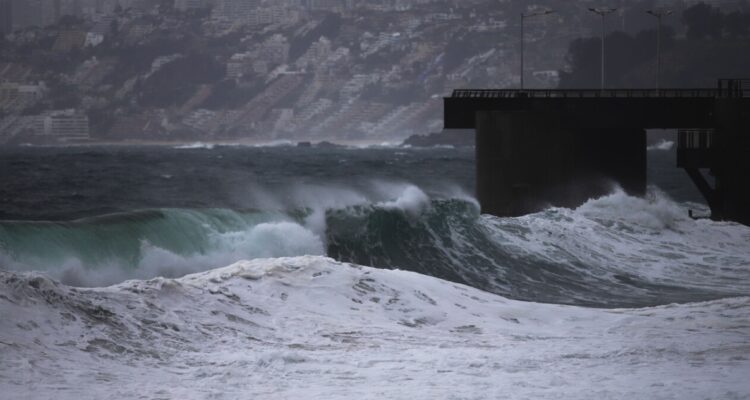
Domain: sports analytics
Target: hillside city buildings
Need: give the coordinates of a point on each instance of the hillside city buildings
(259, 69)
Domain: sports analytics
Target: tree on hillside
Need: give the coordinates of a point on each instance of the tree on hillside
(624, 53)
(583, 66)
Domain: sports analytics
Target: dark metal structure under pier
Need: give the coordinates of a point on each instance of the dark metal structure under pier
(537, 148)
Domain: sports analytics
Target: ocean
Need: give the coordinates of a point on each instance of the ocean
(206, 271)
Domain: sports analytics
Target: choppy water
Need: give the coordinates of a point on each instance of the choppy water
(100, 216)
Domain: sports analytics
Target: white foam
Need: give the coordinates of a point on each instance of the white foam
(412, 200)
(656, 211)
(310, 327)
(651, 239)
(196, 145)
(663, 145)
(275, 143)
(265, 240)
(381, 145)
(318, 199)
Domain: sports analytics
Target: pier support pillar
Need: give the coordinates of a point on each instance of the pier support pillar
(731, 161)
(527, 161)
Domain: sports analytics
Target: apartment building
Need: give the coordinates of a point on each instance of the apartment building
(64, 125)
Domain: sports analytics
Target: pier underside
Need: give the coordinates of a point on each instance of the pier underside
(527, 162)
(536, 149)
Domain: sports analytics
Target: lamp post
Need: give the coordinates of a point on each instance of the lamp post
(523, 18)
(602, 12)
(659, 14)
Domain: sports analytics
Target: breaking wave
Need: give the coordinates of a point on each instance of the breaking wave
(610, 252)
(146, 244)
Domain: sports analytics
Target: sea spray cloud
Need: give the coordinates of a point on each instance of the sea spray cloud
(656, 211)
(266, 240)
(663, 145)
(412, 201)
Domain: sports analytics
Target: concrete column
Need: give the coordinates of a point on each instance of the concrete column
(526, 161)
(494, 161)
(732, 165)
(523, 162)
(608, 157)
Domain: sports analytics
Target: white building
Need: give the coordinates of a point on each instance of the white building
(64, 125)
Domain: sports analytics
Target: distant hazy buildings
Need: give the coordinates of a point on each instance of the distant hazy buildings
(63, 125)
(287, 68)
(260, 69)
(15, 97)
(69, 40)
(185, 5)
(235, 9)
(19, 14)
(58, 126)
(254, 13)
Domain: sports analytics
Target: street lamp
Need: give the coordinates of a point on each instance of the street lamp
(659, 14)
(602, 12)
(523, 18)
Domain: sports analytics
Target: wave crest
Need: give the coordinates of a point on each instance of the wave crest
(610, 252)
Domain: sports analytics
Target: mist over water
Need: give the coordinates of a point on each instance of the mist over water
(229, 177)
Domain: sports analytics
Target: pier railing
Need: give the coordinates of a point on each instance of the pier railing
(695, 148)
(584, 93)
(734, 87)
(726, 88)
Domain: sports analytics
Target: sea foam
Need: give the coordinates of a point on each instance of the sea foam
(310, 326)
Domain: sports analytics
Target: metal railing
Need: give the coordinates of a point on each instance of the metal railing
(585, 93)
(695, 149)
(726, 88)
(734, 87)
(695, 138)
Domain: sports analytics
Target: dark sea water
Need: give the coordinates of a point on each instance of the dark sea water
(100, 215)
(53, 183)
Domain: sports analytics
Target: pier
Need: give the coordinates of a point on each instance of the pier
(540, 148)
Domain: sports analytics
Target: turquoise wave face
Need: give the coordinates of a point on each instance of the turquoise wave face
(611, 252)
(145, 244)
(616, 251)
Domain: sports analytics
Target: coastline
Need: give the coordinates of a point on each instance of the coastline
(207, 143)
